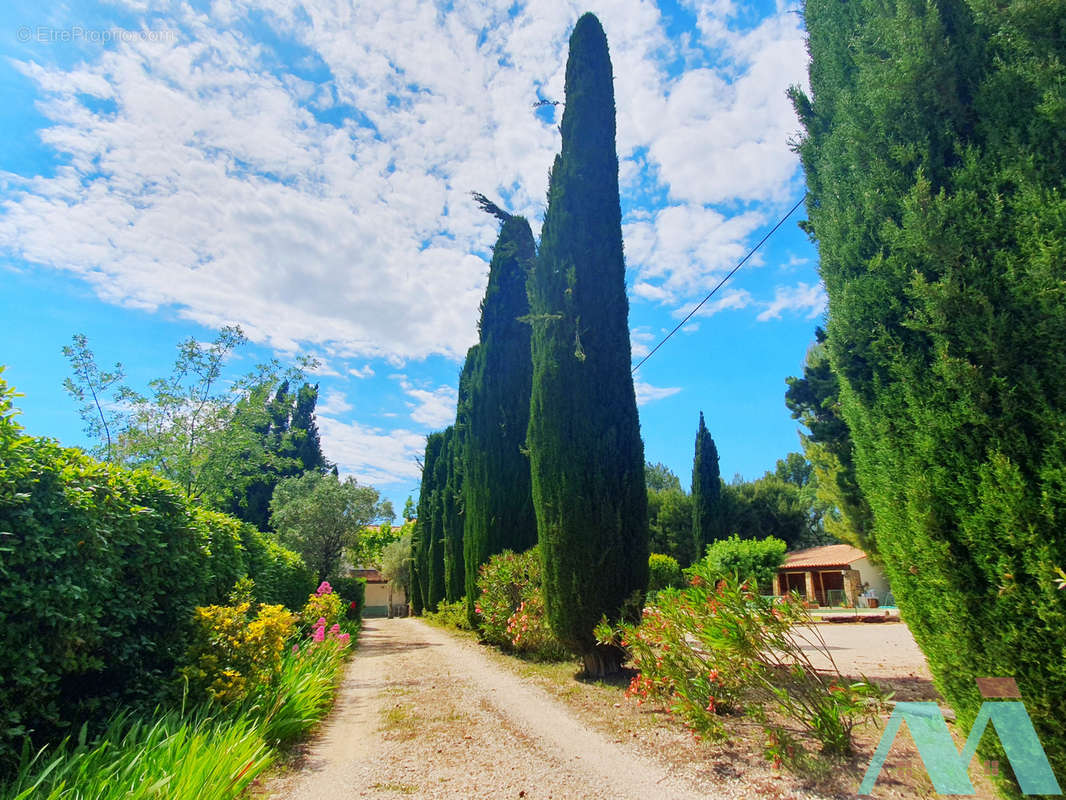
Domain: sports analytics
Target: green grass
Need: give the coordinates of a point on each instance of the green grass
(204, 754)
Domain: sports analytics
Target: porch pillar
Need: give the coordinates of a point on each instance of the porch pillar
(777, 584)
(851, 587)
(811, 596)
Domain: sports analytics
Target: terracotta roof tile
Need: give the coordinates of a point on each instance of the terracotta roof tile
(830, 555)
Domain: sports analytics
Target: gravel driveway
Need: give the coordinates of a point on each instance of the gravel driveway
(425, 714)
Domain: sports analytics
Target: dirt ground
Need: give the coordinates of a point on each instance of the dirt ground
(430, 713)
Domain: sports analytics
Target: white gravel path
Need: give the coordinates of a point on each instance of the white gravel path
(424, 714)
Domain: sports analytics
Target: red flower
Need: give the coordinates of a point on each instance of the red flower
(351, 605)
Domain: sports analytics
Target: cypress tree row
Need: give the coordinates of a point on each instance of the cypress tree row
(454, 585)
(423, 530)
(707, 511)
(586, 455)
(434, 541)
(936, 199)
(493, 409)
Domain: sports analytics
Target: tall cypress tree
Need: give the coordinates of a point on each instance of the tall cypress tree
(936, 199)
(586, 455)
(422, 536)
(493, 412)
(454, 586)
(434, 531)
(707, 511)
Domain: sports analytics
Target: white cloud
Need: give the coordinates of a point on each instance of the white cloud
(640, 341)
(374, 456)
(729, 299)
(433, 408)
(646, 393)
(362, 372)
(333, 403)
(800, 297)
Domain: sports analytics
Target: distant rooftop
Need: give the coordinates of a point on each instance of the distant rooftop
(829, 556)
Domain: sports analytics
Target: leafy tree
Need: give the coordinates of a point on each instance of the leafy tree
(935, 154)
(814, 400)
(373, 540)
(192, 427)
(707, 517)
(586, 455)
(670, 524)
(395, 564)
(88, 387)
(288, 435)
(659, 477)
(409, 512)
(766, 507)
(493, 410)
(320, 516)
(745, 559)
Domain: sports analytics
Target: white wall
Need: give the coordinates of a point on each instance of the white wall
(870, 574)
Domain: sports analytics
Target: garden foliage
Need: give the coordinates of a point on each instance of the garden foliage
(717, 646)
(494, 410)
(663, 572)
(708, 517)
(102, 569)
(510, 606)
(586, 455)
(934, 152)
(744, 559)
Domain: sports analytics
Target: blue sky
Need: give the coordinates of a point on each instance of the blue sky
(303, 169)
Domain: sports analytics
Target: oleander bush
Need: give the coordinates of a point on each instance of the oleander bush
(663, 572)
(719, 647)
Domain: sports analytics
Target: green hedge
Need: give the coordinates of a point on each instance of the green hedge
(351, 590)
(100, 569)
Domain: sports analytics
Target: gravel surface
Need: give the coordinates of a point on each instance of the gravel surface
(425, 714)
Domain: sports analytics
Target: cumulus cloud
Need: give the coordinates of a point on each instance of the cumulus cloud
(646, 393)
(434, 408)
(333, 403)
(800, 297)
(373, 455)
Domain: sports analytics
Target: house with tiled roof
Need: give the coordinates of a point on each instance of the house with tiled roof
(832, 575)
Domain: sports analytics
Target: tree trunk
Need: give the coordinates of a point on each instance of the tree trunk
(601, 661)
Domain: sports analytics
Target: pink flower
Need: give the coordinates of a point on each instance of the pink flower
(324, 588)
(335, 629)
(321, 621)
(296, 648)
(343, 638)
(319, 635)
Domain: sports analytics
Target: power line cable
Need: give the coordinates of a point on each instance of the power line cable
(721, 283)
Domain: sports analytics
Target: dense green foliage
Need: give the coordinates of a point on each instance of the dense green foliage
(586, 455)
(102, 569)
(716, 647)
(771, 506)
(352, 592)
(935, 154)
(494, 411)
(744, 559)
(452, 529)
(707, 513)
(510, 606)
(288, 436)
(422, 550)
(659, 477)
(320, 516)
(814, 400)
(663, 571)
(670, 523)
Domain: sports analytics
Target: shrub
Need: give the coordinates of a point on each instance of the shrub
(663, 572)
(102, 570)
(450, 615)
(352, 592)
(719, 646)
(325, 604)
(281, 577)
(235, 653)
(510, 602)
(742, 559)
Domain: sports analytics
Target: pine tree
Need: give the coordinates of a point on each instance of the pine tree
(493, 410)
(935, 156)
(707, 512)
(586, 455)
